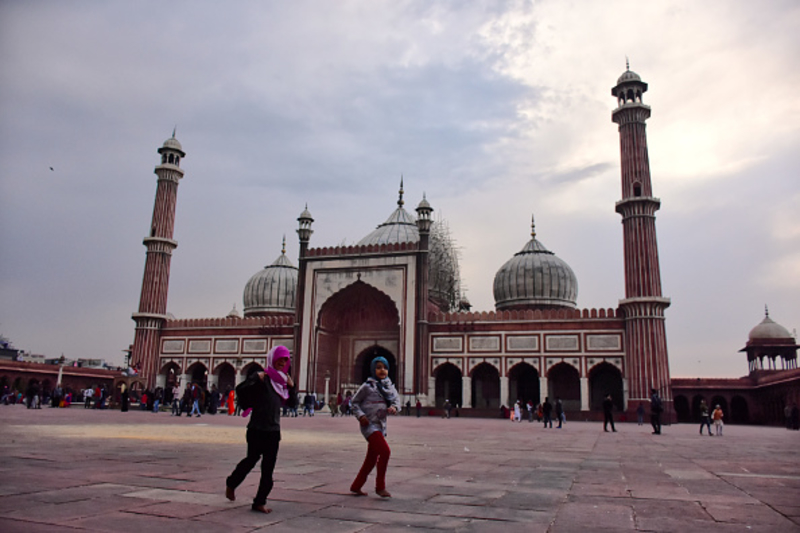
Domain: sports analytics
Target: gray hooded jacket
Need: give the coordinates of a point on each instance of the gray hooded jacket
(369, 402)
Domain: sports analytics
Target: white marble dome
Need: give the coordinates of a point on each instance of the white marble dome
(535, 278)
(272, 289)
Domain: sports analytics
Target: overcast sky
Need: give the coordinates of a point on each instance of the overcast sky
(495, 110)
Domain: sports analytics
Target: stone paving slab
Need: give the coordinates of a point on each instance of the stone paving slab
(87, 470)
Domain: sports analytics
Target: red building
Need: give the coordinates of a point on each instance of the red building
(396, 293)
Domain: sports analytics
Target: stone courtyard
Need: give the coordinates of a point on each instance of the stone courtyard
(86, 470)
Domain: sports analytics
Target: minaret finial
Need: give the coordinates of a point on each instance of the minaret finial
(174, 130)
(400, 201)
(283, 247)
(627, 63)
(533, 227)
(766, 311)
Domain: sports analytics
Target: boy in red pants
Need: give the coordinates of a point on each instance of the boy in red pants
(376, 399)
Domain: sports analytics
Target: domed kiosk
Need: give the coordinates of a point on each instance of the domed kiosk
(535, 278)
(772, 341)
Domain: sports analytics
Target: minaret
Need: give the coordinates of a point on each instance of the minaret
(153, 301)
(421, 356)
(647, 366)
(304, 232)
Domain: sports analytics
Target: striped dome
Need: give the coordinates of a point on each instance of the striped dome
(272, 289)
(399, 227)
(535, 279)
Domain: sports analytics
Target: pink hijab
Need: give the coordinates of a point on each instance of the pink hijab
(277, 377)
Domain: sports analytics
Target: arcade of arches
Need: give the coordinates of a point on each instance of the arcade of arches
(485, 388)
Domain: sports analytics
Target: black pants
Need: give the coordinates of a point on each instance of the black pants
(655, 421)
(608, 419)
(259, 443)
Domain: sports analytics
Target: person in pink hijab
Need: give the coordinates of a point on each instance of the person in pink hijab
(264, 429)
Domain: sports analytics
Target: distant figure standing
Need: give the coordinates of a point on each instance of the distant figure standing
(529, 407)
(560, 412)
(640, 413)
(705, 418)
(517, 412)
(125, 399)
(656, 408)
(447, 407)
(419, 408)
(717, 416)
(88, 392)
(547, 411)
(608, 414)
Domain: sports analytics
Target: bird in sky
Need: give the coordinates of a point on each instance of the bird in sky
(51, 168)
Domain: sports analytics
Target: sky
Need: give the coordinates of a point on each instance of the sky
(495, 111)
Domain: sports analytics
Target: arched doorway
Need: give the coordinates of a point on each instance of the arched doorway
(605, 379)
(485, 387)
(250, 368)
(523, 384)
(199, 374)
(682, 409)
(364, 361)
(740, 413)
(355, 314)
(448, 384)
(171, 373)
(226, 377)
(564, 382)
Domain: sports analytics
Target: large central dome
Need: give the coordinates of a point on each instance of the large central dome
(535, 279)
(399, 227)
(444, 279)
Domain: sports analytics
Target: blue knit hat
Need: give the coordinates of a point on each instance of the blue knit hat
(379, 359)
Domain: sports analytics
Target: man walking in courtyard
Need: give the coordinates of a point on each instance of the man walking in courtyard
(608, 415)
(655, 411)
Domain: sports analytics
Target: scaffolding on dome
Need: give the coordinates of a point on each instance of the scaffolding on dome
(444, 275)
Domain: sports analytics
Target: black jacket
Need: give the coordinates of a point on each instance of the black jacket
(266, 414)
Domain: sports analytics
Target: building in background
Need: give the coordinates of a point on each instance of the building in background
(397, 293)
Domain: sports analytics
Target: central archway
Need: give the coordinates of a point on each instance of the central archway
(356, 316)
(364, 362)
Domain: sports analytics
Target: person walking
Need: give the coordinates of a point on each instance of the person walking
(195, 400)
(656, 408)
(547, 410)
(264, 429)
(418, 407)
(560, 412)
(717, 416)
(640, 414)
(608, 414)
(705, 418)
(375, 399)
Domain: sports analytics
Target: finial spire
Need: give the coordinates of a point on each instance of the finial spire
(174, 130)
(283, 247)
(533, 227)
(400, 201)
(766, 311)
(627, 63)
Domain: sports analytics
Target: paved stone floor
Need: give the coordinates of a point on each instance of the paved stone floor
(75, 469)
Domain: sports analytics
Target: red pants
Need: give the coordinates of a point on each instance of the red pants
(377, 451)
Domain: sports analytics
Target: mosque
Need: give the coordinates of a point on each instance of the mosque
(396, 293)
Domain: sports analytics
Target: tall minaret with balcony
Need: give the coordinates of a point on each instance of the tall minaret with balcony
(153, 301)
(647, 366)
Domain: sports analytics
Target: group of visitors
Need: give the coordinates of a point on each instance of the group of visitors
(36, 396)
(265, 392)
